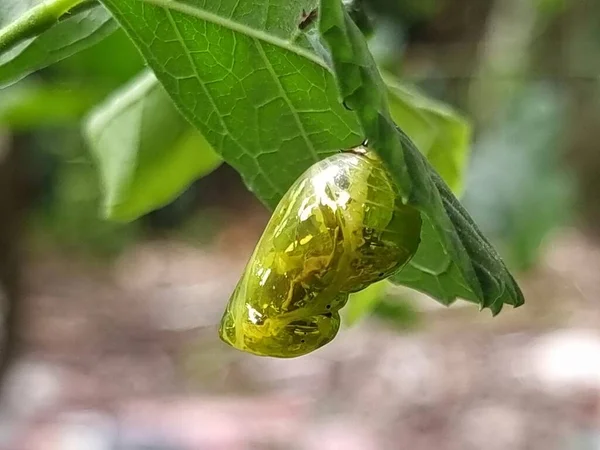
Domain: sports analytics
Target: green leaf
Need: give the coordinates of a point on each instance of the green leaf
(268, 106)
(438, 131)
(147, 153)
(454, 259)
(83, 27)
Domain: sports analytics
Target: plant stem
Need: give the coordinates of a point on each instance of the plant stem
(34, 22)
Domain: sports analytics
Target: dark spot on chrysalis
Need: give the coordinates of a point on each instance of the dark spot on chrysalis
(346, 105)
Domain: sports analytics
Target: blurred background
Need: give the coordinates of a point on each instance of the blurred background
(110, 329)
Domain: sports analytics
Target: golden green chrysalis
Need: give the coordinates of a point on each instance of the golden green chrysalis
(340, 227)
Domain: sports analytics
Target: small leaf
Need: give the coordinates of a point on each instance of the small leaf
(438, 131)
(454, 259)
(72, 33)
(147, 153)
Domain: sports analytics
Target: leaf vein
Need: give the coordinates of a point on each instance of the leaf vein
(287, 100)
(211, 99)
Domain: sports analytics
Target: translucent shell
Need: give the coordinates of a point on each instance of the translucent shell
(339, 228)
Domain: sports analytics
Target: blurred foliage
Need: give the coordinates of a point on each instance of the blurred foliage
(66, 217)
(408, 11)
(48, 107)
(80, 29)
(551, 7)
(518, 189)
(107, 65)
(146, 152)
(385, 302)
(399, 312)
(362, 303)
(29, 105)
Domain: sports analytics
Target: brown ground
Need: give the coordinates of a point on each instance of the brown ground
(129, 353)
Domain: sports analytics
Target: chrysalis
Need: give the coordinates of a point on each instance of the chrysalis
(340, 227)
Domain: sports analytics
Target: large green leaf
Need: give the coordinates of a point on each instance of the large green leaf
(454, 258)
(73, 32)
(147, 153)
(269, 107)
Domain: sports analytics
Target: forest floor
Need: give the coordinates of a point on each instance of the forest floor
(127, 356)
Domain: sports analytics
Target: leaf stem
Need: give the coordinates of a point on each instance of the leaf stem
(34, 22)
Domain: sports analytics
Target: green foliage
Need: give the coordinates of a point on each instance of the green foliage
(399, 312)
(74, 223)
(454, 259)
(107, 65)
(363, 303)
(263, 95)
(29, 105)
(381, 301)
(406, 10)
(68, 216)
(552, 7)
(71, 34)
(146, 151)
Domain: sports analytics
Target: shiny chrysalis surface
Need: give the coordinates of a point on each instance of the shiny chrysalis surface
(339, 228)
